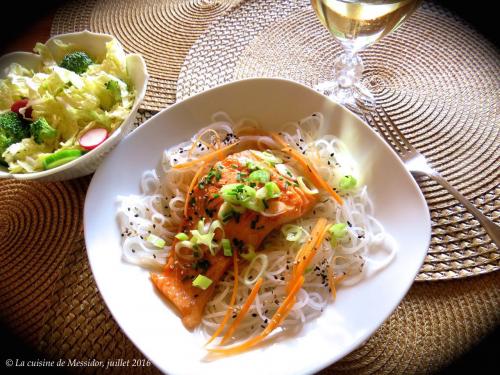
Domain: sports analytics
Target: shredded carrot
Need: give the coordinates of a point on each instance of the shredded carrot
(318, 227)
(278, 139)
(231, 302)
(313, 174)
(310, 170)
(276, 320)
(207, 157)
(303, 256)
(243, 311)
(207, 145)
(301, 267)
(332, 279)
(191, 187)
(285, 307)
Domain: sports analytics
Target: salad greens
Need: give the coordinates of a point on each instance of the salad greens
(62, 101)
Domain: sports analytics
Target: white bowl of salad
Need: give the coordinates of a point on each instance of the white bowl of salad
(64, 107)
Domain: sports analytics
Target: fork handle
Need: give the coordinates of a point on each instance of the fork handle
(491, 228)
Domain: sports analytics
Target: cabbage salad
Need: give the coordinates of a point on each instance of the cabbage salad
(52, 116)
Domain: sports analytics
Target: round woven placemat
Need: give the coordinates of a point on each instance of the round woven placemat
(435, 76)
(49, 297)
(162, 31)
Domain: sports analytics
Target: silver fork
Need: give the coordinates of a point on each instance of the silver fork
(416, 163)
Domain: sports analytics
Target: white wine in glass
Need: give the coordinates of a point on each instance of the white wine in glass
(356, 24)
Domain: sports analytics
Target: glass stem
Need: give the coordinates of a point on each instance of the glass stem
(348, 69)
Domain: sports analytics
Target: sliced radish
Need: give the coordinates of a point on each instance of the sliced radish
(21, 108)
(93, 138)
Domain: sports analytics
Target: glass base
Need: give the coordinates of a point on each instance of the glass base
(346, 87)
(348, 96)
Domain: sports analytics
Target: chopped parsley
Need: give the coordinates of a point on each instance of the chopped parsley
(202, 265)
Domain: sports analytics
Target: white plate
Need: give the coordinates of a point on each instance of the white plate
(153, 325)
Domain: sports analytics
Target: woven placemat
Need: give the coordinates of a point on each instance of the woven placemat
(48, 296)
(162, 31)
(436, 77)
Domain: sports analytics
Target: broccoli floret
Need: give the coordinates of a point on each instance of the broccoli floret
(111, 95)
(12, 130)
(114, 89)
(77, 62)
(41, 130)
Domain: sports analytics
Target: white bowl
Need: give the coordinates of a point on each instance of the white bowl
(95, 44)
(152, 324)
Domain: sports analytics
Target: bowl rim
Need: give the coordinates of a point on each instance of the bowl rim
(138, 100)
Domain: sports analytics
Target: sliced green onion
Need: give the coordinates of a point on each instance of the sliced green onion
(305, 188)
(202, 282)
(264, 262)
(201, 226)
(268, 157)
(285, 171)
(256, 205)
(156, 241)
(337, 232)
(250, 254)
(226, 246)
(184, 245)
(214, 225)
(252, 166)
(260, 175)
(237, 193)
(182, 236)
(225, 212)
(272, 190)
(347, 182)
(292, 233)
(269, 191)
(206, 239)
(60, 157)
(238, 209)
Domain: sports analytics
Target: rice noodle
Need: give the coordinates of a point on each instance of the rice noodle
(366, 249)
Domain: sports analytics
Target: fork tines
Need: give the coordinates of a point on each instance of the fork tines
(377, 117)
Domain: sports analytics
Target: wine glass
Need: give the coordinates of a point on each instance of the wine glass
(357, 24)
